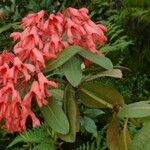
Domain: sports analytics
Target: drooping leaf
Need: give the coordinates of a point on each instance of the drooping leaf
(55, 117)
(113, 133)
(115, 73)
(89, 125)
(63, 57)
(99, 60)
(71, 112)
(72, 71)
(136, 110)
(98, 95)
(125, 139)
(141, 140)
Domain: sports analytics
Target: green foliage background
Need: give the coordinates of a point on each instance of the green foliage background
(128, 23)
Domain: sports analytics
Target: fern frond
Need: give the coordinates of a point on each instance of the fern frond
(117, 40)
(36, 136)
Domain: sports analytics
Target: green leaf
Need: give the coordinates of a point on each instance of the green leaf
(113, 133)
(97, 95)
(57, 95)
(99, 60)
(141, 140)
(89, 125)
(136, 110)
(115, 73)
(63, 57)
(72, 71)
(55, 117)
(71, 112)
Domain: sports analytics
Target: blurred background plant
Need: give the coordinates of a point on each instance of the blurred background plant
(128, 45)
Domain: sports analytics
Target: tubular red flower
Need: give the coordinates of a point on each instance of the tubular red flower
(37, 93)
(18, 66)
(43, 84)
(33, 19)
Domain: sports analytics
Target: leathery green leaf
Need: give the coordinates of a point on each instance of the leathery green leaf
(99, 60)
(97, 95)
(63, 57)
(113, 133)
(72, 70)
(136, 110)
(55, 117)
(70, 109)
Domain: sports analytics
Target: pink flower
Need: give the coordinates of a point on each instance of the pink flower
(33, 55)
(95, 31)
(44, 83)
(10, 107)
(39, 90)
(78, 15)
(30, 38)
(74, 31)
(54, 46)
(33, 19)
(19, 67)
(15, 35)
(35, 92)
(6, 57)
(25, 113)
(54, 24)
(3, 73)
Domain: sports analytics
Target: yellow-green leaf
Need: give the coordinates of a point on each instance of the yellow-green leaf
(125, 139)
(115, 73)
(113, 133)
(98, 95)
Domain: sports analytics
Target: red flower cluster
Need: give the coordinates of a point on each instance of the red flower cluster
(15, 107)
(41, 39)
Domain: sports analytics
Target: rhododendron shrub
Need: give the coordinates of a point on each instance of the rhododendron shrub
(47, 42)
